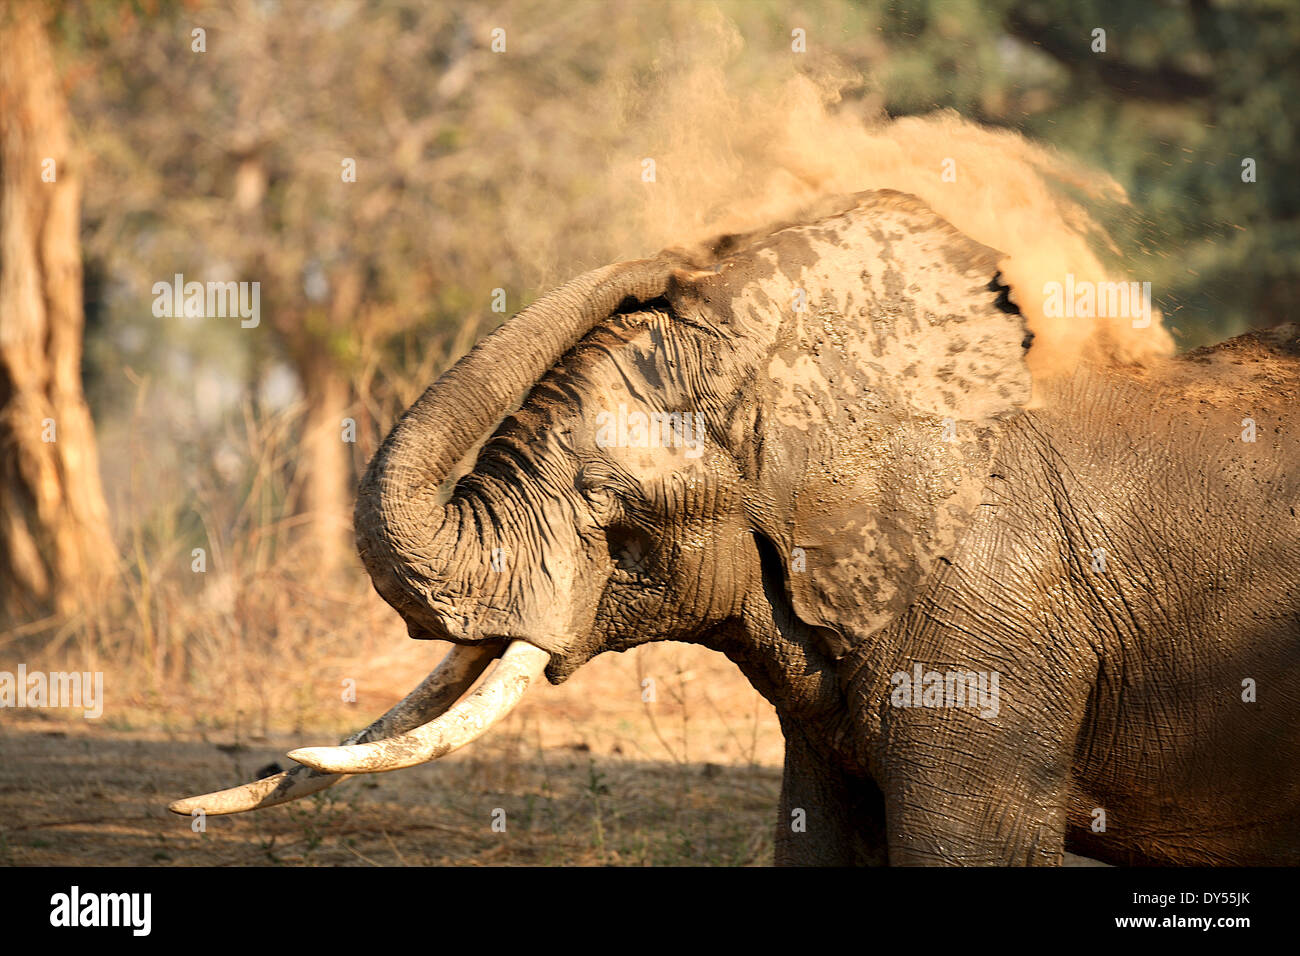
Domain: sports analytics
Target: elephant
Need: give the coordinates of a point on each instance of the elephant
(1000, 616)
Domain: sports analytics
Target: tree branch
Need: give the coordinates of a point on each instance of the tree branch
(1165, 84)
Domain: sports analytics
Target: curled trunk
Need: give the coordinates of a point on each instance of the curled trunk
(399, 525)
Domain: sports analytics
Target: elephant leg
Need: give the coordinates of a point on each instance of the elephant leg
(827, 818)
(972, 808)
(925, 836)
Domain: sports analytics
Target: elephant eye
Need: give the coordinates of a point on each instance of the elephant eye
(595, 488)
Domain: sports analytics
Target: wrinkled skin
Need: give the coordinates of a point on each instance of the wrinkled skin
(874, 490)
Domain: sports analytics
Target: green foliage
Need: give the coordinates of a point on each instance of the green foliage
(1182, 94)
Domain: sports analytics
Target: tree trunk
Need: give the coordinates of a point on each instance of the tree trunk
(55, 546)
(325, 447)
(325, 463)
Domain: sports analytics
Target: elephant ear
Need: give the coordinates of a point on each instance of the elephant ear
(892, 355)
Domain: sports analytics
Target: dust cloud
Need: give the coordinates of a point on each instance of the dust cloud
(734, 152)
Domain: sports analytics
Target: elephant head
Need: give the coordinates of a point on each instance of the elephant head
(783, 432)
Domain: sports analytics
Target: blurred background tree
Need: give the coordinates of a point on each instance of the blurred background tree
(55, 546)
(1181, 93)
(236, 161)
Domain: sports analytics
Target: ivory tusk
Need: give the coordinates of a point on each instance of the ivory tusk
(520, 666)
(436, 693)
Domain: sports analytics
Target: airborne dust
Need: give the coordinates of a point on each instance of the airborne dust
(730, 155)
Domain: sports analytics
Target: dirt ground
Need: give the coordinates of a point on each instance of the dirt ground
(586, 773)
(582, 774)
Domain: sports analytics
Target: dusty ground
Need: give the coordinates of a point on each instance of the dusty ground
(585, 774)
